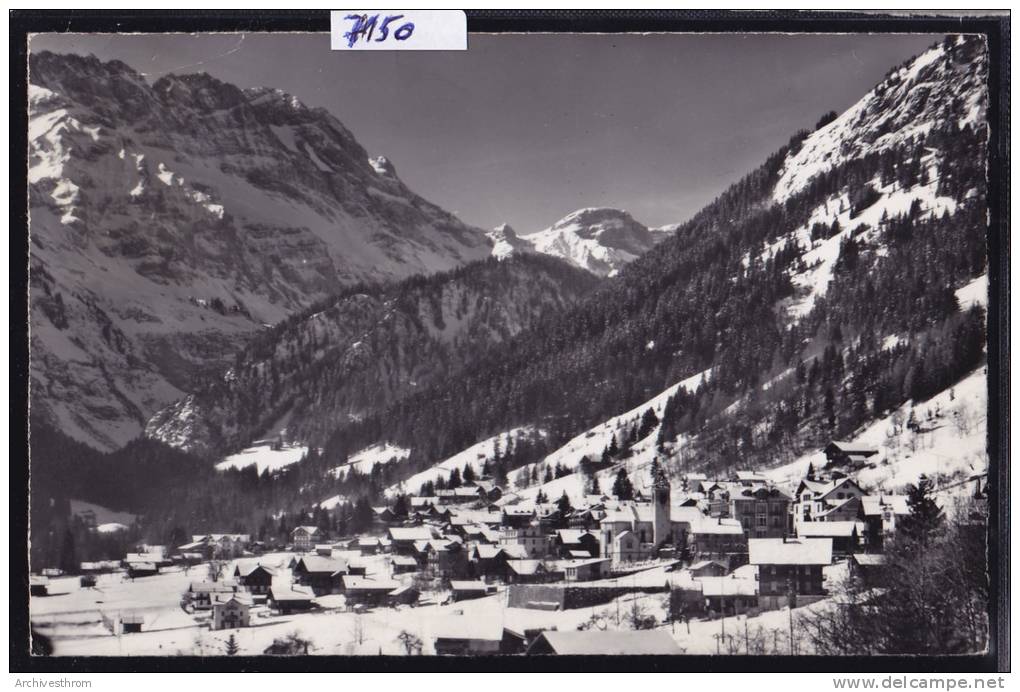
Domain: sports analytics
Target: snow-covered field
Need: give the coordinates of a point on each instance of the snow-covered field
(368, 457)
(72, 618)
(264, 457)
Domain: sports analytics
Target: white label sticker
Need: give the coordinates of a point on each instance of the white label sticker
(398, 30)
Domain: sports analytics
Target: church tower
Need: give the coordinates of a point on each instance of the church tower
(662, 524)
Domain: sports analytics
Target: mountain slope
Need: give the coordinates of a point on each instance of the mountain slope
(170, 221)
(815, 314)
(351, 355)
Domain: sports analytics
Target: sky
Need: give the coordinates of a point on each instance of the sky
(524, 129)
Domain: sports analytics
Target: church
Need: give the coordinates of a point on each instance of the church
(636, 530)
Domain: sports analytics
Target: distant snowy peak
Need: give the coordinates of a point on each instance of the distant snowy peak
(945, 84)
(600, 240)
(506, 242)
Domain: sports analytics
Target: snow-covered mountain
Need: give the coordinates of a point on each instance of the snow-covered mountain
(600, 240)
(829, 293)
(169, 221)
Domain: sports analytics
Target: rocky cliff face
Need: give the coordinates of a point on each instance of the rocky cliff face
(171, 221)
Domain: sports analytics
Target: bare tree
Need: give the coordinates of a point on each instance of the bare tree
(411, 642)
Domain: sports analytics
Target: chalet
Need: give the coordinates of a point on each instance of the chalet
(100, 566)
(38, 586)
(749, 478)
(881, 514)
(445, 559)
(488, 561)
(707, 568)
(305, 537)
(848, 455)
(142, 569)
(847, 536)
(384, 515)
(324, 550)
(586, 570)
(573, 540)
(405, 537)
(789, 568)
(403, 595)
(529, 571)
(728, 595)
(518, 516)
(468, 590)
(255, 579)
(867, 569)
(369, 545)
(479, 533)
(153, 555)
(419, 504)
(718, 538)
(200, 593)
(230, 612)
(321, 574)
(604, 643)
(217, 545)
(457, 635)
(492, 492)
(131, 623)
(403, 564)
(532, 537)
(362, 590)
(462, 495)
(285, 599)
(815, 497)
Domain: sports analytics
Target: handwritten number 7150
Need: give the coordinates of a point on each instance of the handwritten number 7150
(365, 26)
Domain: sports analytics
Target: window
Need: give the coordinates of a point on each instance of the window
(762, 521)
(760, 507)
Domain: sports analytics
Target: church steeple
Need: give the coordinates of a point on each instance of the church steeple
(661, 520)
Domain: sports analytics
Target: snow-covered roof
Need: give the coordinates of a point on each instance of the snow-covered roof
(352, 583)
(573, 536)
(410, 533)
(290, 594)
(320, 564)
(777, 551)
(475, 627)
(477, 585)
(727, 586)
(834, 529)
(487, 552)
(717, 526)
(853, 448)
(874, 504)
(610, 642)
(869, 560)
(404, 560)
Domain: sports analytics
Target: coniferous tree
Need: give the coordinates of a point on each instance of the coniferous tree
(622, 487)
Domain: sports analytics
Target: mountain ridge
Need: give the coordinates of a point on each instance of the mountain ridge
(170, 221)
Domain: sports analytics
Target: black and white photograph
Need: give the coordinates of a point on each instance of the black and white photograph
(569, 344)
